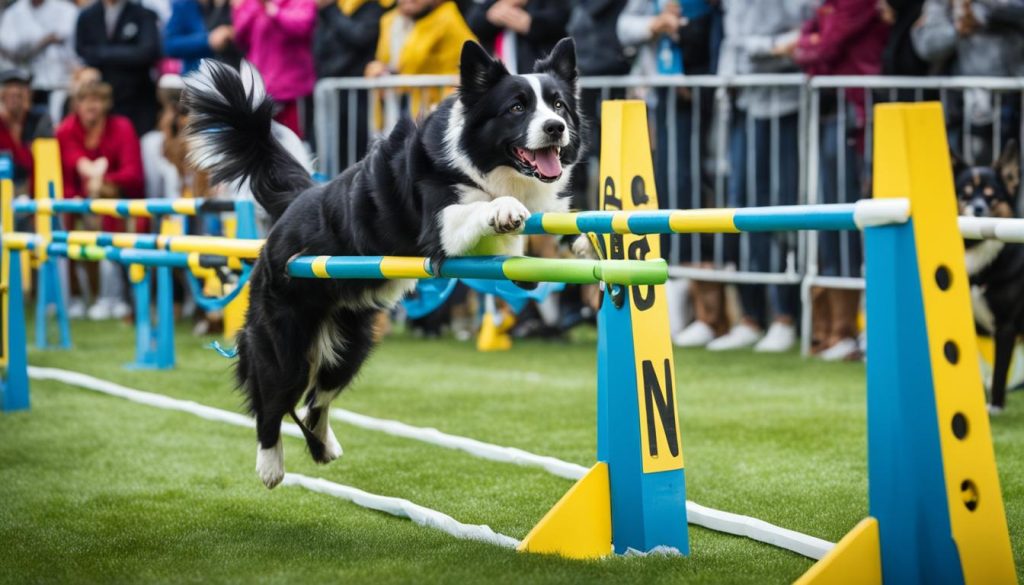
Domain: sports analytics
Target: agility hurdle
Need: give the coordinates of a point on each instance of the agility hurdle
(935, 508)
(154, 341)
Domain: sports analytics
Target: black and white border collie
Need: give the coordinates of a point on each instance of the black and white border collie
(463, 179)
(995, 269)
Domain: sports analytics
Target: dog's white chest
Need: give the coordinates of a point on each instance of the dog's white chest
(981, 256)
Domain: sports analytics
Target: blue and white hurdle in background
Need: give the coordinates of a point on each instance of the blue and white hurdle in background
(154, 338)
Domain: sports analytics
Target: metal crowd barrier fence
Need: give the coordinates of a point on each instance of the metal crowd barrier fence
(742, 141)
(982, 115)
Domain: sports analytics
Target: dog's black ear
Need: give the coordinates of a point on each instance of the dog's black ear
(561, 62)
(478, 72)
(1008, 167)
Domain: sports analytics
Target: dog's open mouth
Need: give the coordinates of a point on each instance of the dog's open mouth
(543, 163)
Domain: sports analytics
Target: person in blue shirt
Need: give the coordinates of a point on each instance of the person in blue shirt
(200, 29)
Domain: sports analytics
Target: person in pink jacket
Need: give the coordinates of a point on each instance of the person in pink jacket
(276, 36)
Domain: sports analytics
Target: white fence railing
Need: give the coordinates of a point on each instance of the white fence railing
(726, 142)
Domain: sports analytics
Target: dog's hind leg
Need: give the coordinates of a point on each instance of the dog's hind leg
(351, 339)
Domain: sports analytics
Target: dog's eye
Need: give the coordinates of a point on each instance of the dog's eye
(517, 107)
(559, 105)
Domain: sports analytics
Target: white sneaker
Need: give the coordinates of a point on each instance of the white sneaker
(696, 334)
(738, 337)
(841, 350)
(100, 310)
(120, 310)
(994, 410)
(76, 308)
(780, 337)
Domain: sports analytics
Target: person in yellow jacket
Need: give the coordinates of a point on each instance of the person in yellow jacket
(421, 37)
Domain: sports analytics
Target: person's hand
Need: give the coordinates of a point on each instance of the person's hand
(966, 25)
(785, 49)
(220, 37)
(50, 39)
(84, 168)
(108, 190)
(518, 20)
(376, 69)
(321, 4)
(885, 12)
(666, 23)
(237, 3)
(497, 14)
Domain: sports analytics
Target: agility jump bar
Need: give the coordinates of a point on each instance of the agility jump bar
(829, 217)
(1009, 230)
(125, 207)
(236, 248)
(621, 272)
(156, 258)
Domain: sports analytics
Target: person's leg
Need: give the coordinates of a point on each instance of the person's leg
(747, 331)
(784, 299)
(843, 256)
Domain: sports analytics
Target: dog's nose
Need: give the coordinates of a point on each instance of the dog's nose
(554, 128)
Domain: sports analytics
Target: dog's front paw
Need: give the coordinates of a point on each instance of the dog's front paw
(507, 215)
(583, 248)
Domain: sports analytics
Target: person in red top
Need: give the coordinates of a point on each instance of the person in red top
(101, 158)
(845, 37)
(20, 124)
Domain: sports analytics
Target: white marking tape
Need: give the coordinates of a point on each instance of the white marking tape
(717, 520)
(403, 509)
(389, 505)
(712, 519)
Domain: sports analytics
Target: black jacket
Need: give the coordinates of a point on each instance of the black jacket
(548, 21)
(344, 45)
(125, 60)
(598, 48)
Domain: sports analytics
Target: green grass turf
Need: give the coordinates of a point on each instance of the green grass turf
(98, 489)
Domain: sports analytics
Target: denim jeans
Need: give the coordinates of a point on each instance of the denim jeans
(666, 166)
(775, 181)
(839, 253)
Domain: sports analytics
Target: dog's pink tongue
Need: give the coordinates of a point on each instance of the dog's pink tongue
(547, 162)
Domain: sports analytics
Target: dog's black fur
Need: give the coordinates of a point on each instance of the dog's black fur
(996, 269)
(434, 189)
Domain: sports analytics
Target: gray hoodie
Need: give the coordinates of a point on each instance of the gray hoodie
(753, 30)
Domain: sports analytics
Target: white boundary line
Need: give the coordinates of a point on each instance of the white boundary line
(717, 520)
(389, 505)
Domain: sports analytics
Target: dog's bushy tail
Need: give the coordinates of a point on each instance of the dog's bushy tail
(230, 135)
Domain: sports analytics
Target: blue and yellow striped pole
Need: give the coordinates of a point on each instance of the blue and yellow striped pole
(125, 207)
(244, 249)
(624, 272)
(830, 217)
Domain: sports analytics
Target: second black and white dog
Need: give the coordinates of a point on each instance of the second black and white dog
(996, 269)
(463, 180)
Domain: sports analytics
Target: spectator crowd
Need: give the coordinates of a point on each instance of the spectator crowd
(104, 78)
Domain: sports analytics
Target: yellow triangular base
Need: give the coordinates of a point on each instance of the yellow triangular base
(580, 524)
(494, 336)
(855, 559)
